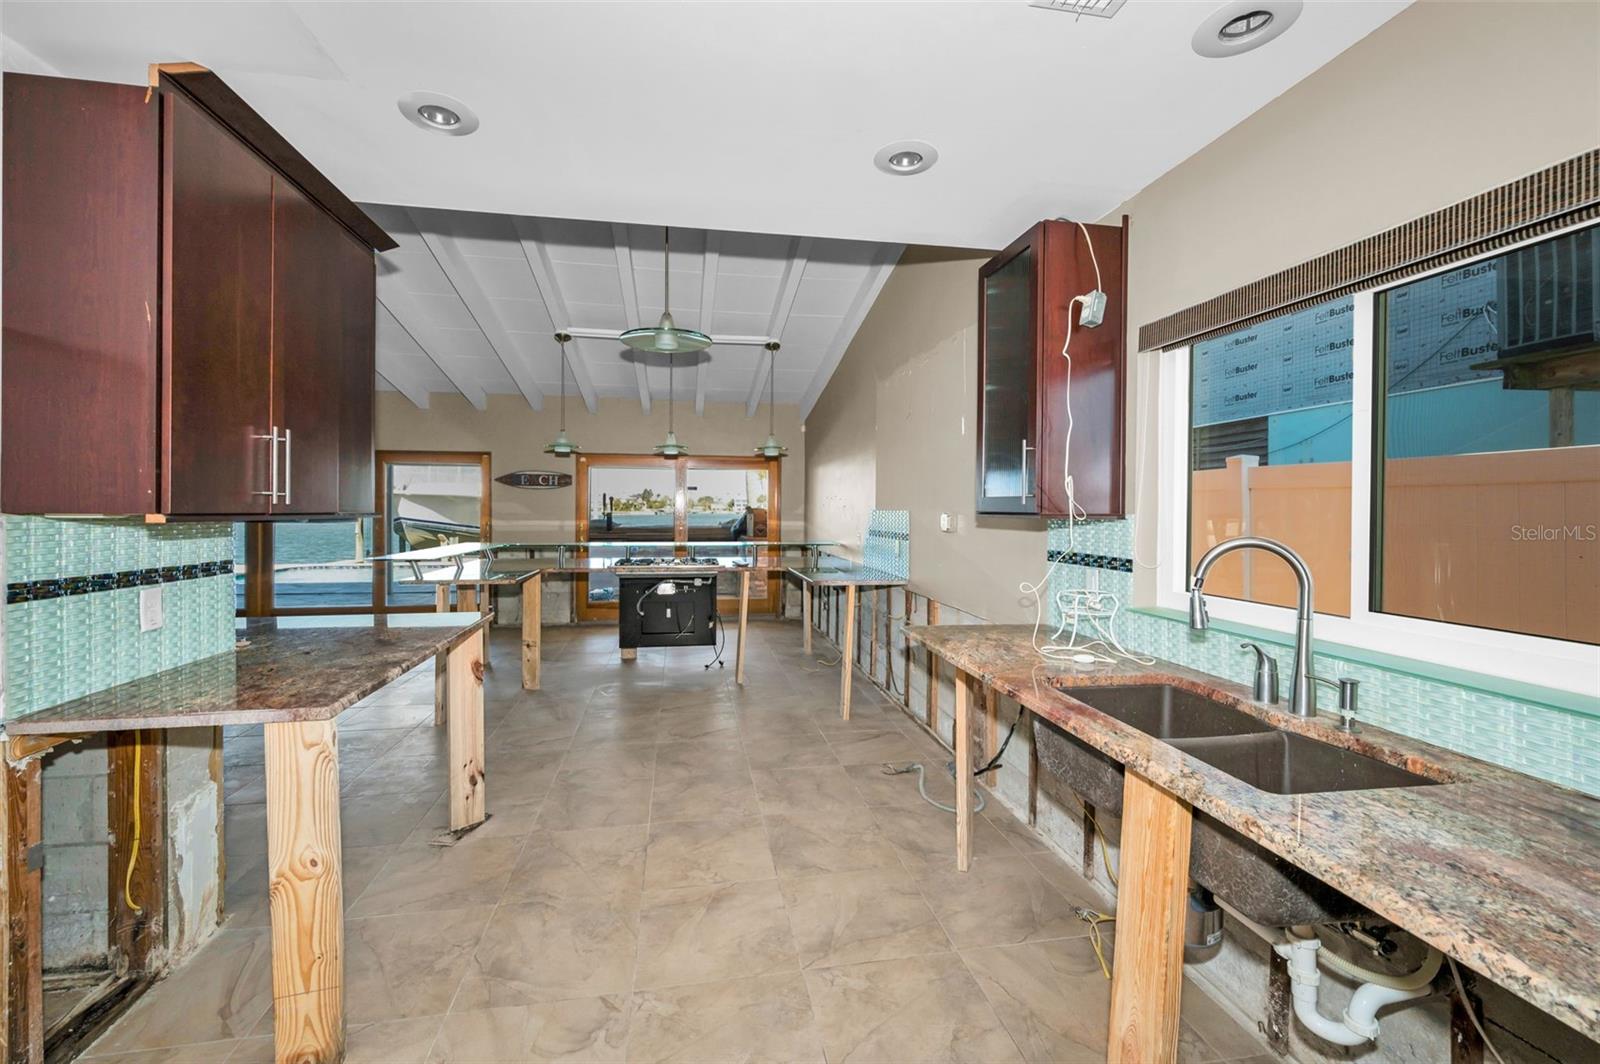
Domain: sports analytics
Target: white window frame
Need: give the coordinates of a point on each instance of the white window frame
(1554, 663)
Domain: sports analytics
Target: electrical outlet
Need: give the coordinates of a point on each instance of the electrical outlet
(1094, 309)
(946, 523)
(151, 613)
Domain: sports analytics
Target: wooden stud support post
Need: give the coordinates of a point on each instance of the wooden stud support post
(1033, 772)
(963, 747)
(532, 631)
(21, 915)
(932, 720)
(805, 615)
(464, 674)
(845, 657)
(906, 686)
(135, 808)
(441, 604)
(872, 639)
(744, 617)
(991, 731)
(1147, 980)
(306, 892)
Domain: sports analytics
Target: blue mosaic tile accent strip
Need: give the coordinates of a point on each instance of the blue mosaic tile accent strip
(72, 612)
(1544, 741)
(888, 542)
(1092, 561)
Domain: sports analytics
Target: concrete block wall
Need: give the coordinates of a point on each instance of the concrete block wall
(73, 793)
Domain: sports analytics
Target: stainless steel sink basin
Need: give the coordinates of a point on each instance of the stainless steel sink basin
(1255, 881)
(1286, 763)
(1169, 712)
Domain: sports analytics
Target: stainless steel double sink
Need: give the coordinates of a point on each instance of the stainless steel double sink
(1253, 880)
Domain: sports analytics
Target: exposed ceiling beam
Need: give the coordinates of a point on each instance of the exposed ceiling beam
(630, 301)
(458, 271)
(709, 263)
(393, 369)
(792, 275)
(883, 262)
(403, 308)
(544, 279)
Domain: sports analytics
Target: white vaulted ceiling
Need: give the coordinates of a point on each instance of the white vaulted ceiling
(470, 303)
(754, 117)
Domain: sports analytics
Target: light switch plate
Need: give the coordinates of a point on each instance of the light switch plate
(151, 613)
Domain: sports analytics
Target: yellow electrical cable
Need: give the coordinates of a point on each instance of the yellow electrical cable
(133, 858)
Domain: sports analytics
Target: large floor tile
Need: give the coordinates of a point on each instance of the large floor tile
(722, 790)
(593, 798)
(1002, 900)
(749, 1020)
(851, 917)
(585, 863)
(805, 845)
(419, 879)
(400, 967)
(926, 837)
(577, 1029)
(690, 852)
(813, 791)
(918, 1009)
(548, 951)
(220, 993)
(1051, 996)
(721, 931)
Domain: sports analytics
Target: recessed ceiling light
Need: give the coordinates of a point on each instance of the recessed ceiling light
(1244, 25)
(905, 157)
(438, 113)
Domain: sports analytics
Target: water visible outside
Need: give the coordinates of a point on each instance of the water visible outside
(320, 564)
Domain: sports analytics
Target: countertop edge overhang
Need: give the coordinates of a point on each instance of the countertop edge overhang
(284, 670)
(1496, 868)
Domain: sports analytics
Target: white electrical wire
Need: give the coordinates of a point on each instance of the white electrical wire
(1472, 1013)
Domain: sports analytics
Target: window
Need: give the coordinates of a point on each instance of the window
(321, 564)
(1270, 454)
(430, 499)
(1432, 449)
(1489, 485)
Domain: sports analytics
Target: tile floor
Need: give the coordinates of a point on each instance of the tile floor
(675, 869)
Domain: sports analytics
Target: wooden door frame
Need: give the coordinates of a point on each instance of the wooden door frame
(380, 529)
(680, 532)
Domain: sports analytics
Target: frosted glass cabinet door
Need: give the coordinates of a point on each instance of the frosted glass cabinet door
(1008, 450)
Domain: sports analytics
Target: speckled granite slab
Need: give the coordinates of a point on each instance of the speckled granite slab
(287, 669)
(1495, 868)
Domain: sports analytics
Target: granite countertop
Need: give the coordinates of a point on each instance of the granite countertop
(860, 575)
(1495, 868)
(284, 669)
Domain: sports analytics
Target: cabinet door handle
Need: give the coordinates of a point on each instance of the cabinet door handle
(1027, 489)
(272, 464)
(288, 464)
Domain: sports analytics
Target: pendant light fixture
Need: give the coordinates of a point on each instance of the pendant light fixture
(561, 446)
(670, 447)
(772, 448)
(665, 338)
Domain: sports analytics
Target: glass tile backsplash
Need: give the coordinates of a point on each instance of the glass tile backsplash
(888, 542)
(1551, 742)
(72, 603)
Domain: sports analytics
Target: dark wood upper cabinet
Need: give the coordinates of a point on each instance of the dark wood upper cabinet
(188, 309)
(1025, 294)
(218, 317)
(358, 302)
(80, 331)
(307, 353)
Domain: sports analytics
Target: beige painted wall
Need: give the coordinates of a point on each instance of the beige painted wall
(515, 436)
(1443, 101)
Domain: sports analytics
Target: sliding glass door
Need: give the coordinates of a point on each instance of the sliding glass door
(642, 498)
(426, 499)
